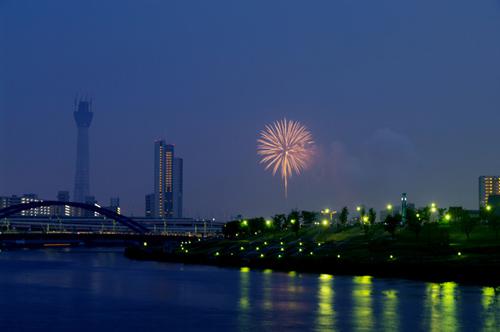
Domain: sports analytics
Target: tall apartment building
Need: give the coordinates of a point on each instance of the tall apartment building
(166, 199)
(488, 185)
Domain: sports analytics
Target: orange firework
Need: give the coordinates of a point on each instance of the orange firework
(285, 146)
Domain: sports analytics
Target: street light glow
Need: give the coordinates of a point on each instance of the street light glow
(389, 207)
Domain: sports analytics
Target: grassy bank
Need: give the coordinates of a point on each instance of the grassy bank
(437, 253)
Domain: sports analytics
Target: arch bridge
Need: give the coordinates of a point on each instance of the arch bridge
(126, 221)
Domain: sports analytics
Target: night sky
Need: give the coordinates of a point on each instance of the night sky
(400, 95)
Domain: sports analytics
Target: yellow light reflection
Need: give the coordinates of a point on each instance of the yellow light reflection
(491, 305)
(362, 297)
(390, 313)
(441, 307)
(267, 302)
(325, 319)
(244, 301)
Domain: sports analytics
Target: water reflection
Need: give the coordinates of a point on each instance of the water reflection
(440, 305)
(363, 304)
(267, 302)
(244, 299)
(325, 318)
(491, 308)
(63, 291)
(390, 321)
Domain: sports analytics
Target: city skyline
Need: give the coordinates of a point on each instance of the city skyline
(390, 113)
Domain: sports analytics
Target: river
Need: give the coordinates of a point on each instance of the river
(101, 290)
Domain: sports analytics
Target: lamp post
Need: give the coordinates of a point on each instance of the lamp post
(329, 213)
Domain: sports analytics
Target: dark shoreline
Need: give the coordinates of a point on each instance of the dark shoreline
(466, 272)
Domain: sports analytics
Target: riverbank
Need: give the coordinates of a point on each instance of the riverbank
(349, 252)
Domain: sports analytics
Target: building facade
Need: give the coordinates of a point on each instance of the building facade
(7, 201)
(488, 185)
(63, 211)
(166, 201)
(163, 180)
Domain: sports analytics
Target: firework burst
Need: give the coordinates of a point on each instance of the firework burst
(285, 146)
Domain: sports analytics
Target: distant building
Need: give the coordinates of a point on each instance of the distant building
(178, 187)
(163, 179)
(166, 201)
(488, 185)
(7, 201)
(114, 205)
(4, 202)
(65, 210)
(91, 201)
(150, 205)
(83, 118)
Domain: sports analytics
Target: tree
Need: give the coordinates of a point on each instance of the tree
(416, 218)
(279, 221)
(494, 224)
(256, 225)
(293, 221)
(362, 213)
(344, 215)
(490, 214)
(231, 229)
(372, 215)
(391, 224)
(309, 217)
(464, 220)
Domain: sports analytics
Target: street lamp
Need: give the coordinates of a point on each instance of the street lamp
(325, 222)
(389, 207)
(433, 208)
(329, 213)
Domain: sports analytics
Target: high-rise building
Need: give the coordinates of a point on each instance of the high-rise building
(177, 187)
(163, 180)
(83, 116)
(488, 185)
